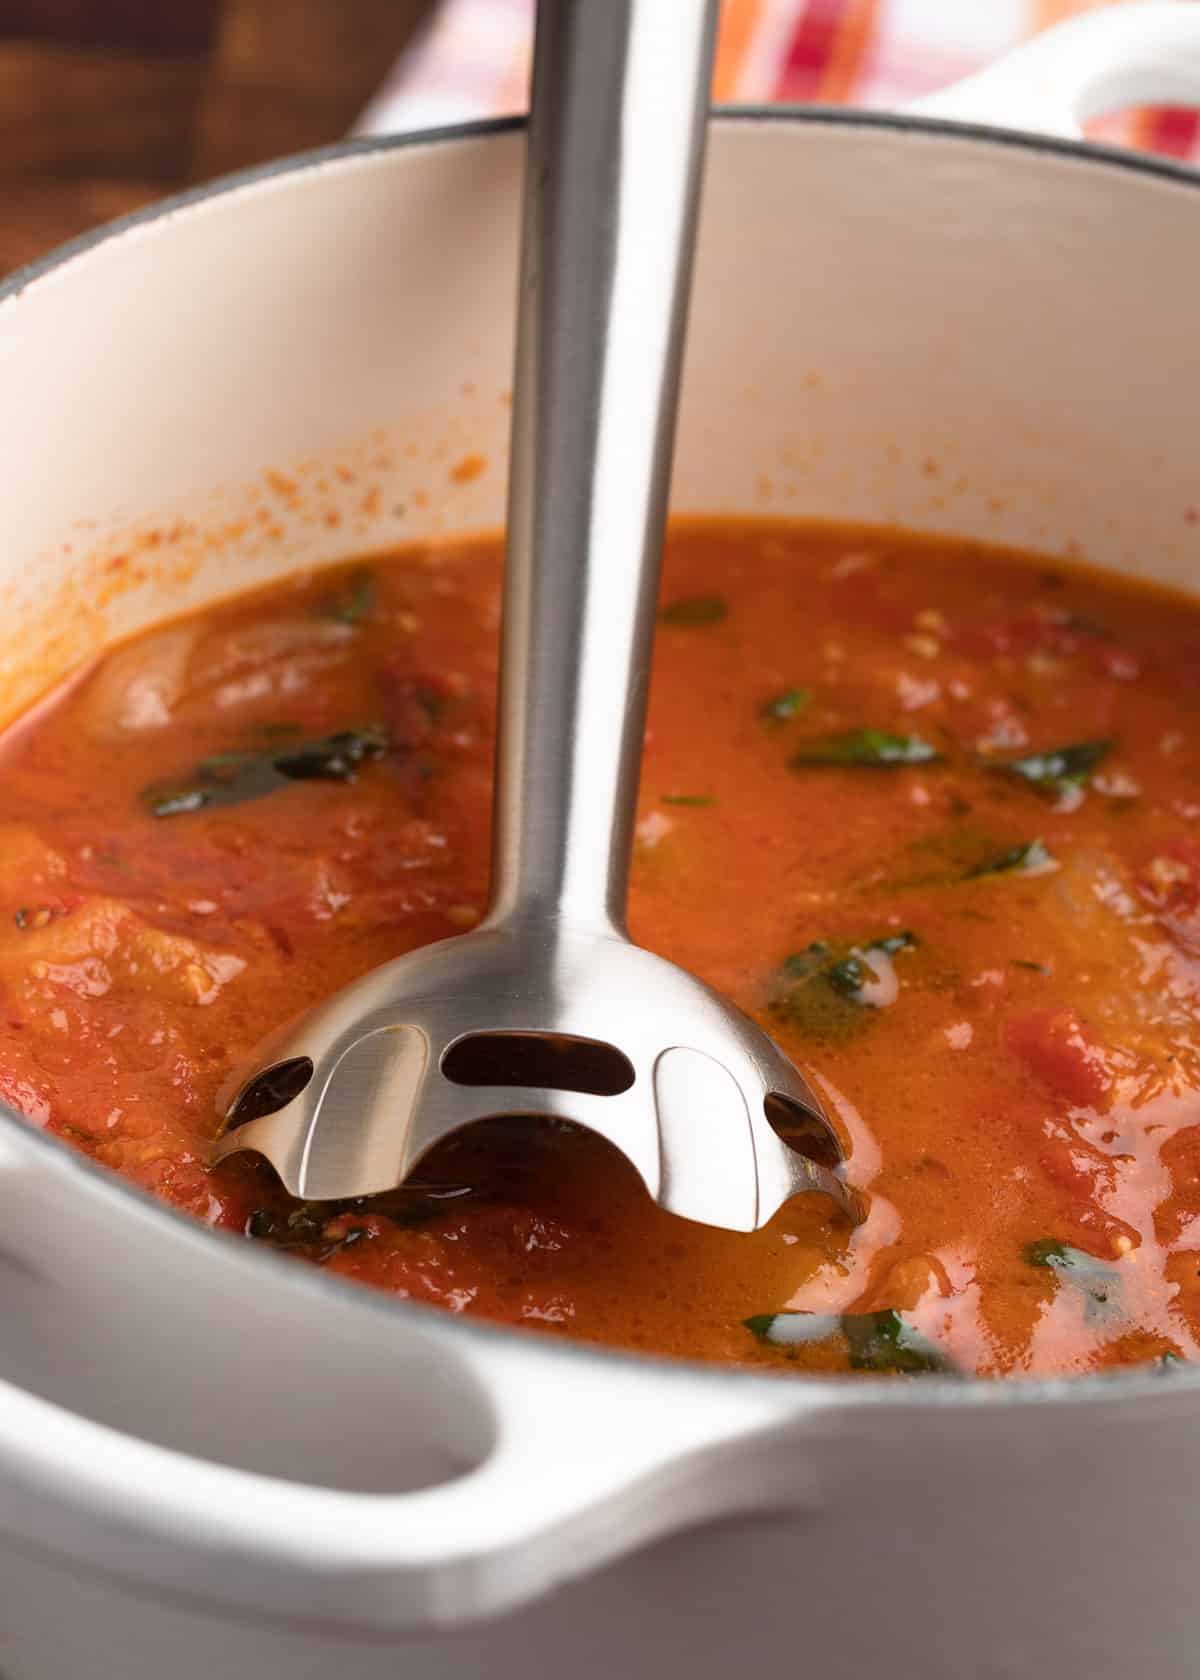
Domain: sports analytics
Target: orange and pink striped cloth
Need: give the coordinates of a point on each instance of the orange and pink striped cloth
(474, 59)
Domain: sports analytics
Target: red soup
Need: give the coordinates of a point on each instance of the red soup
(929, 811)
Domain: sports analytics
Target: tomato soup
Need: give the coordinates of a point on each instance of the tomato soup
(929, 811)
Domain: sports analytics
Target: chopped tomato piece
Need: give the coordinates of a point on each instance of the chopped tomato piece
(1054, 1045)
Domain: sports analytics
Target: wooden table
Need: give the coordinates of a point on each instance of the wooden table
(108, 104)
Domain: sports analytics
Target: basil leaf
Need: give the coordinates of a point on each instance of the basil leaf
(236, 777)
(334, 758)
(1030, 858)
(1098, 1280)
(793, 1329)
(1062, 1257)
(688, 799)
(695, 610)
(817, 1009)
(801, 964)
(882, 1342)
(872, 749)
(1059, 770)
(824, 995)
(788, 704)
(847, 976)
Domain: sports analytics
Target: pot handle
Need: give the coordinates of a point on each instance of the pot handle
(586, 1467)
(1105, 61)
(543, 1463)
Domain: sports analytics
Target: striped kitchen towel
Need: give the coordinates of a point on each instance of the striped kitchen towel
(473, 61)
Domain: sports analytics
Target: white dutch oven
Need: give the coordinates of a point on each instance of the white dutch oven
(214, 1464)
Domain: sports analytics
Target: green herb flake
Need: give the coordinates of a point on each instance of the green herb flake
(801, 964)
(261, 1223)
(696, 799)
(693, 611)
(1033, 967)
(1030, 858)
(847, 976)
(334, 758)
(852, 973)
(823, 994)
(882, 1342)
(1060, 771)
(794, 1329)
(885, 1342)
(869, 749)
(307, 1223)
(235, 777)
(356, 602)
(785, 705)
(1098, 1280)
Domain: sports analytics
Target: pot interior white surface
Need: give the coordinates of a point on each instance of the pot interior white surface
(887, 327)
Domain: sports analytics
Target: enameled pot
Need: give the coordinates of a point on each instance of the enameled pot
(214, 1464)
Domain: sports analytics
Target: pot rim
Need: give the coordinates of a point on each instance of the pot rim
(811, 1392)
